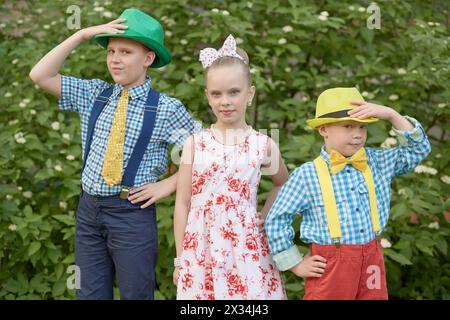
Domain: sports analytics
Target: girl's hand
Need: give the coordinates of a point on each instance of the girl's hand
(368, 110)
(310, 267)
(176, 274)
(113, 27)
(260, 222)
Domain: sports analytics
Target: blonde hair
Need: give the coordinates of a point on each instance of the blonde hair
(226, 61)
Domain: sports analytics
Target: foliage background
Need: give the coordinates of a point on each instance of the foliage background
(297, 50)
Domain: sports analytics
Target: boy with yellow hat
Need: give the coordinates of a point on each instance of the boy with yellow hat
(126, 128)
(344, 199)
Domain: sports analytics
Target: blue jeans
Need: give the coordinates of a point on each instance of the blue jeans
(114, 236)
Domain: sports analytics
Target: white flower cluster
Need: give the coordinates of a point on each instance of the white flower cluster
(287, 29)
(323, 16)
(55, 126)
(63, 205)
(20, 139)
(24, 103)
(445, 179)
(368, 95)
(389, 142)
(425, 169)
(385, 243)
(434, 225)
(224, 12)
(393, 97)
(27, 194)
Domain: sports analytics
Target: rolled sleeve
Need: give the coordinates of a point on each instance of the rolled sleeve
(408, 137)
(414, 147)
(287, 259)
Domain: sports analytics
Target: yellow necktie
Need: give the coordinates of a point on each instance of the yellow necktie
(338, 161)
(113, 161)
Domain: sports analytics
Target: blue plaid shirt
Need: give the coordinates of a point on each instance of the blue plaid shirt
(172, 126)
(302, 194)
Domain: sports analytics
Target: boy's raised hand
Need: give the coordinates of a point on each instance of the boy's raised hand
(368, 110)
(113, 27)
(310, 267)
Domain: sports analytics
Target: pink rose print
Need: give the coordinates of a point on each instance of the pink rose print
(190, 241)
(187, 281)
(235, 285)
(234, 185)
(228, 233)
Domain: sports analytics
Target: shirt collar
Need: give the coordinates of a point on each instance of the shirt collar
(324, 154)
(135, 92)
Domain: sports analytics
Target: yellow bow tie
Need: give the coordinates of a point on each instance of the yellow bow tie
(338, 161)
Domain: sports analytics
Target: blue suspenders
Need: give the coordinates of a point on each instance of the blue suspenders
(150, 109)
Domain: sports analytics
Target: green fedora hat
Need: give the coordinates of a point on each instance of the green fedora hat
(143, 29)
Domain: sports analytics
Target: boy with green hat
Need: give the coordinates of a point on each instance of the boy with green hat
(344, 198)
(126, 128)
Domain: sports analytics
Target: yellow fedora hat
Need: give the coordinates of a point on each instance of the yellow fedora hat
(333, 104)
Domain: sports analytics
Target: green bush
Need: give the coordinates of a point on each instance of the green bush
(296, 52)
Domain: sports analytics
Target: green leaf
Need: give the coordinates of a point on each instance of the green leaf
(12, 285)
(397, 257)
(441, 244)
(294, 287)
(58, 288)
(425, 248)
(66, 219)
(34, 247)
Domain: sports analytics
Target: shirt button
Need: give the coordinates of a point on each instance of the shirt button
(357, 209)
(348, 170)
(362, 230)
(353, 189)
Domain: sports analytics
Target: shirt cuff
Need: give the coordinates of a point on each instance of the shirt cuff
(287, 259)
(414, 135)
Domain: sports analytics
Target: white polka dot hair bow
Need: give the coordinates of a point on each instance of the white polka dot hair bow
(209, 55)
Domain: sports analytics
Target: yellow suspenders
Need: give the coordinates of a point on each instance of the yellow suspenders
(330, 201)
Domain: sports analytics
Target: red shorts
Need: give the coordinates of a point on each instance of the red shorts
(353, 272)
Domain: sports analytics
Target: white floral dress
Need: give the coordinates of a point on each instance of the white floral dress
(224, 254)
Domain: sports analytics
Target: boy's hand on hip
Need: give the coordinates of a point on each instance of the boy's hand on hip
(368, 110)
(310, 267)
(113, 27)
(151, 192)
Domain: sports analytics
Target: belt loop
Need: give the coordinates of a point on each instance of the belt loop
(337, 242)
(378, 237)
